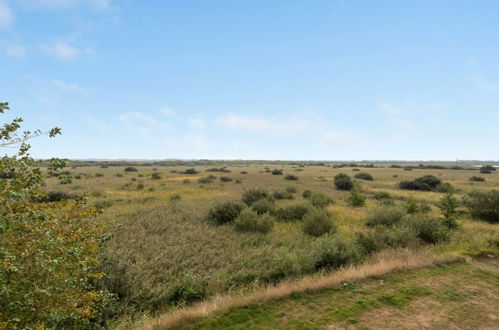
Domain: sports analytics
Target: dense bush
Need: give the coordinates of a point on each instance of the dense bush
(56, 196)
(364, 176)
(262, 206)
(155, 176)
(343, 182)
(254, 194)
(381, 195)
(385, 216)
(276, 172)
(216, 169)
(207, 179)
(293, 212)
(483, 204)
(477, 179)
(334, 252)
(400, 235)
(429, 230)
(371, 241)
(190, 290)
(282, 194)
(225, 212)
(225, 179)
(318, 222)
(250, 221)
(291, 177)
(356, 198)
(424, 183)
(190, 171)
(130, 169)
(291, 189)
(318, 198)
(487, 169)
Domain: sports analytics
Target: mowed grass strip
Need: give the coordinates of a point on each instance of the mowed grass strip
(457, 295)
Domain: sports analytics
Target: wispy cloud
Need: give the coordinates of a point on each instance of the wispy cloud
(196, 123)
(99, 125)
(65, 51)
(169, 113)
(485, 85)
(16, 51)
(259, 125)
(68, 87)
(6, 16)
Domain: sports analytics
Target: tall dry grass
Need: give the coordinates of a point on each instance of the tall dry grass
(383, 263)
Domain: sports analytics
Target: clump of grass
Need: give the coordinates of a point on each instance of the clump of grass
(250, 221)
(356, 198)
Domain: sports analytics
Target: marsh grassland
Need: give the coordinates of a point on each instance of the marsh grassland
(171, 251)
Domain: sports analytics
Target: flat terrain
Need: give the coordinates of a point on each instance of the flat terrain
(161, 243)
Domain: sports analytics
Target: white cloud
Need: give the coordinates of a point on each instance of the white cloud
(485, 85)
(64, 51)
(17, 51)
(6, 16)
(68, 87)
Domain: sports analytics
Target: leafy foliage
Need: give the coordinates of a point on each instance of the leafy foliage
(343, 182)
(318, 222)
(483, 205)
(250, 221)
(47, 250)
(225, 212)
(364, 176)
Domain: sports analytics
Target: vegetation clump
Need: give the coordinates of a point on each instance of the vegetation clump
(483, 205)
(293, 212)
(155, 176)
(487, 169)
(343, 182)
(276, 172)
(282, 194)
(252, 195)
(364, 176)
(250, 221)
(225, 179)
(225, 212)
(190, 171)
(356, 198)
(385, 216)
(477, 178)
(318, 198)
(318, 222)
(262, 206)
(130, 169)
(333, 252)
(424, 183)
(291, 177)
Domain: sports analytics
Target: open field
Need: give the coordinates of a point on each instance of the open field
(163, 247)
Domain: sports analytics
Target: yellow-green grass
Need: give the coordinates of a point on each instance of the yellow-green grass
(158, 244)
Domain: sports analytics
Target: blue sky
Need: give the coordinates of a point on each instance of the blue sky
(326, 80)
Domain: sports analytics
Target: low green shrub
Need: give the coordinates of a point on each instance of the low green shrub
(225, 212)
(343, 182)
(225, 179)
(400, 235)
(429, 230)
(55, 196)
(364, 176)
(250, 221)
(371, 241)
(356, 198)
(190, 171)
(206, 179)
(318, 198)
(291, 189)
(190, 290)
(291, 177)
(293, 212)
(282, 194)
(130, 169)
(155, 176)
(252, 195)
(424, 183)
(276, 172)
(483, 205)
(477, 178)
(318, 222)
(333, 252)
(262, 206)
(385, 216)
